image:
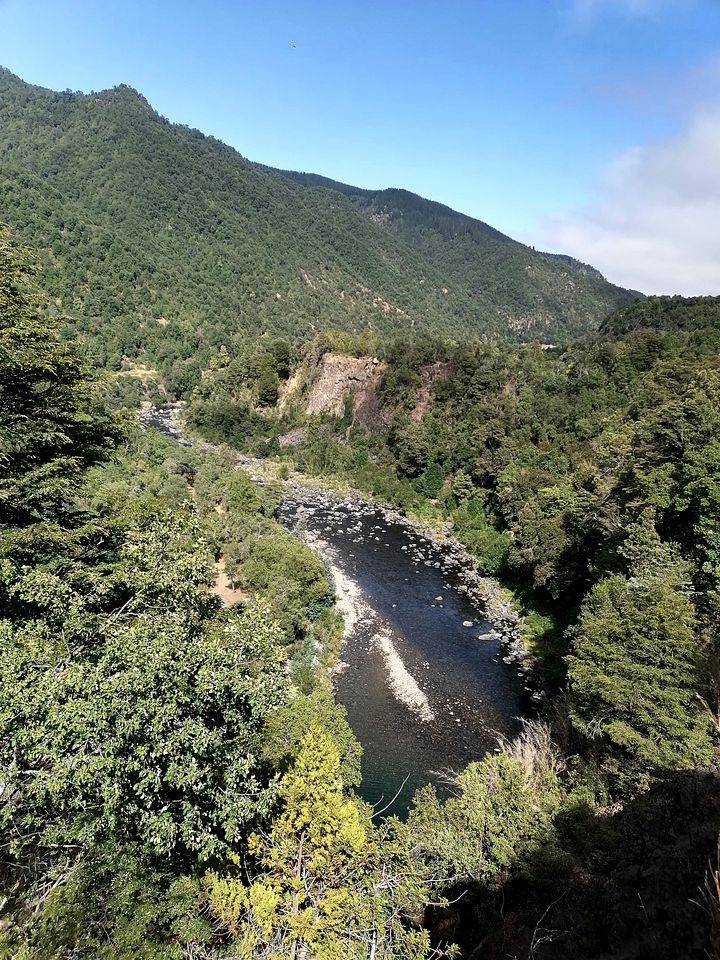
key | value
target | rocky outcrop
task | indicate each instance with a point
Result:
(292, 438)
(328, 384)
(340, 377)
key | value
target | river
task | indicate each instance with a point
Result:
(423, 675)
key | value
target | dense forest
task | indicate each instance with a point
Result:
(161, 245)
(586, 479)
(177, 780)
(546, 460)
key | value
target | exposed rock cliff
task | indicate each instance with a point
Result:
(335, 380)
(327, 384)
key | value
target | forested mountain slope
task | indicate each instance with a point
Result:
(543, 459)
(176, 779)
(676, 315)
(164, 243)
(494, 267)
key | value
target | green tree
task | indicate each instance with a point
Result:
(635, 669)
(52, 426)
(501, 812)
(326, 886)
(108, 732)
(266, 386)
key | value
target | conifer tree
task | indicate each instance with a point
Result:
(51, 428)
(635, 671)
(329, 885)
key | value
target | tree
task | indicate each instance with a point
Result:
(266, 386)
(51, 425)
(326, 886)
(501, 812)
(288, 725)
(635, 670)
(136, 723)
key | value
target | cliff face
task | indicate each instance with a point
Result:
(340, 377)
(336, 378)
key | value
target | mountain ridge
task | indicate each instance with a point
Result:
(161, 242)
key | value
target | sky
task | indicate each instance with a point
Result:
(588, 127)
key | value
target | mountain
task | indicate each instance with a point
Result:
(475, 254)
(163, 243)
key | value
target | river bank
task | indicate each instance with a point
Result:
(495, 600)
(427, 670)
(422, 673)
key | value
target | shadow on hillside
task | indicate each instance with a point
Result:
(630, 888)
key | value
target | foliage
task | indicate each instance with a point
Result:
(128, 741)
(635, 670)
(546, 461)
(164, 245)
(174, 779)
(326, 886)
(134, 711)
(500, 815)
(51, 425)
(290, 724)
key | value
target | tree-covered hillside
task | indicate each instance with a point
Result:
(169, 768)
(176, 779)
(548, 462)
(669, 315)
(530, 288)
(164, 244)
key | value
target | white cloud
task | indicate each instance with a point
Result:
(656, 224)
(675, 91)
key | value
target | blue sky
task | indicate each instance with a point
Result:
(525, 113)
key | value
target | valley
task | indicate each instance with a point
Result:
(427, 680)
(359, 566)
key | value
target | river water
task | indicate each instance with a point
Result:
(422, 673)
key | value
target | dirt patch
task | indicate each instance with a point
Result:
(225, 588)
(290, 387)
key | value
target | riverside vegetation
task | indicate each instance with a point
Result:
(177, 780)
(586, 478)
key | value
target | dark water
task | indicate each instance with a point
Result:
(472, 694)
